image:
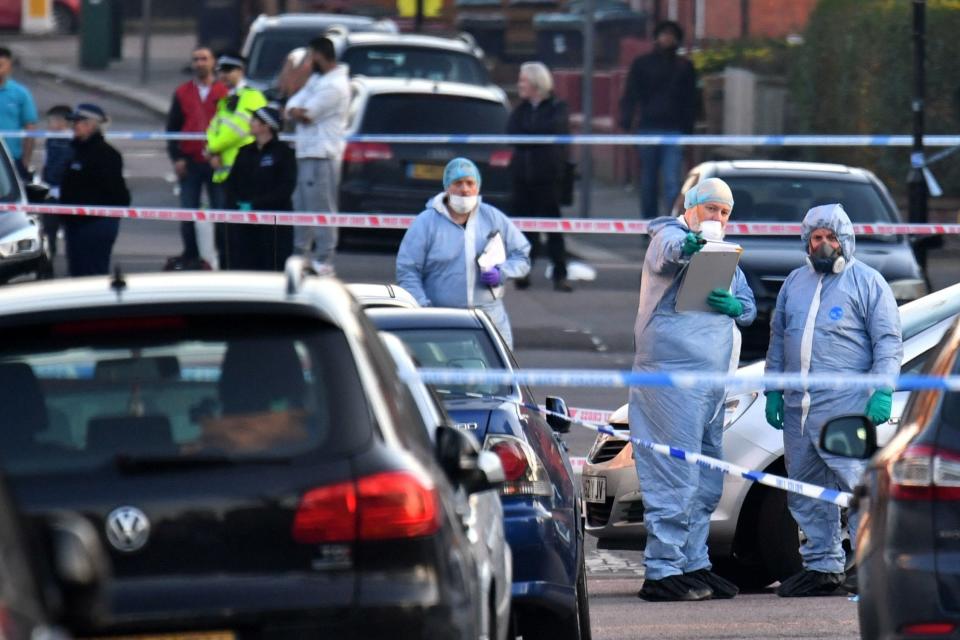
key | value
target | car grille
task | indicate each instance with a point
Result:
(608, 451)
(598, 514)
(633, 512)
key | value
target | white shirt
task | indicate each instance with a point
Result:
(326, 99)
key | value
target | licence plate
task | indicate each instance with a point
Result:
(425, 171)
(594, 488)
(184, 635)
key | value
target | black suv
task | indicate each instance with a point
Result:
(247, 453)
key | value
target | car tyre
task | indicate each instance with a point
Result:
(573, 627)
(63, 19)
(780, 537)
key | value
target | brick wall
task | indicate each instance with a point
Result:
(723, 19)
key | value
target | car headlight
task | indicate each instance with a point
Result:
(736, 406)
(15, 247)
(908, 289)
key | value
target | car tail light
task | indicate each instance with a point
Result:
(384, 506)
(501, 158)
(524, 472)
(923, 472)
(360, 152)
(929, 629)
(113, 325)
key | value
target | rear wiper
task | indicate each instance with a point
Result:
(134, 464)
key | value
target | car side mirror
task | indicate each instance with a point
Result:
(465, 464)
(81, 569)
(851, 436)
(556, 406)
(36, 192)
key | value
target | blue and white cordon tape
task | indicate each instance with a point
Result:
(686, 379)
(580, 139)
(833, 496)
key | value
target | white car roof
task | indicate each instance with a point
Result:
(364, 38)
(382, 295)
(382, 86)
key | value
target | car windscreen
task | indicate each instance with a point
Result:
(83, 394)
(787, 199)
(432, 113)
(9, 189)
(384, 61)
(458, 349)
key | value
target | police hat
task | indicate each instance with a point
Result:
(88, 111)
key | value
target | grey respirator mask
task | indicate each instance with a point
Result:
(826, 259)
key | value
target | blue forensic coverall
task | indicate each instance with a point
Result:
(679, 498)
(437, 260)
(837, 323)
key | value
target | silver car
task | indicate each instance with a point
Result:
(483, 512)
(753, 539)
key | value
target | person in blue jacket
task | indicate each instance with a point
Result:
(833, 315)
(437, 260)
(679, 498)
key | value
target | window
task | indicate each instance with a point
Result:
(415, 62)
(465, 349)
(787, 199)
(91, 392)
(432, 113)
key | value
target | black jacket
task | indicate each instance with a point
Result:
(664, 86)
(95, 175)
(539, 163)
(264, 177)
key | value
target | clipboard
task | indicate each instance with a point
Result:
(707, 270)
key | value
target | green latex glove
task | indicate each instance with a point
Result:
(692, 243)
(244, 206)
(879, 406)
(775, 409)
(722, 301)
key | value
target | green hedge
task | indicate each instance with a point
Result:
(854, 75)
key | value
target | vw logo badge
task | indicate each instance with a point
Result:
(127, 528)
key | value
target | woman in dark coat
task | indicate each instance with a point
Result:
(537, 169)
(262, 179)
(93, 177)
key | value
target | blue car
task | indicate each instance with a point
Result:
(541, 504)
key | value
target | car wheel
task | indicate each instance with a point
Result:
(780, 537)
(63, 20)
(572, 627)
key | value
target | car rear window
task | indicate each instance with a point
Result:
(462, 349)
(432, 113)
(415, 62)
(270, 48)
(787, 199)
(83, 394)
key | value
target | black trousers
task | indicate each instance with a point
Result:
(89, 244)
(254, 247)
(541, 200)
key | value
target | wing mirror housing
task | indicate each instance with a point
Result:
(852, 436)
(36, 193)
(465, 464)
(556, 406)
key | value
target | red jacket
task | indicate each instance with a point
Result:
(190, 114)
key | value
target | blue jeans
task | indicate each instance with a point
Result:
(659, 162)
(199, 174)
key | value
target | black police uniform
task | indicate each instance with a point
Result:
(93, 177)
(265, 178)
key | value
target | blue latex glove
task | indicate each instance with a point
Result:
(491, 278)
(722, 301)
(879, 406)
(692, 243)
(244, 206)
(775, 409)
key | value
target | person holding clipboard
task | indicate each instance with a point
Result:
(460, 251)
(678, 498)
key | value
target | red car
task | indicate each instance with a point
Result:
(66, 15)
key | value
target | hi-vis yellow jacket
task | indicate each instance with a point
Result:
(230, 128)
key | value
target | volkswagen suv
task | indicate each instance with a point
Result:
(246, 451)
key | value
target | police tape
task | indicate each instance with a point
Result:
(794, 140)
(688, 379)
(624, 226)
(833, 496)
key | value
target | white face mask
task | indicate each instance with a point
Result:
(462, 204)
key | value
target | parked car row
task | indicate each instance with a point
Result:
(249, 455)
